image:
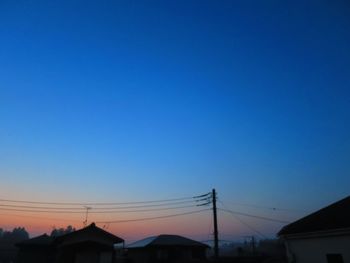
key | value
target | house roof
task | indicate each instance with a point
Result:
(91, 233)
(42, 240)
(166, 240)
(332, 217)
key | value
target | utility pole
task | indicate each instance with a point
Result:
(216, 234)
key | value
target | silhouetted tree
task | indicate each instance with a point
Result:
(8, 239)
(16, 235)
(62, 231)
(20, 233)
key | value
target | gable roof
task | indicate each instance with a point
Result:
(91, 233)
(332, 217)
(166, 240)
(42, 240)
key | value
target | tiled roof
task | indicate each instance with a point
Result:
(332, 217)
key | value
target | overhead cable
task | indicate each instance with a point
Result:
(153, 218)
(99, 203)
(254, 216)
(245, 223)
(96, 208)
(92, 211)
(264, 207)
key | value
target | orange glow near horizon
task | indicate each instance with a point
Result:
(37, 224)
(198, 226)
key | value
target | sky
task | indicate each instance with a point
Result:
(120, 101)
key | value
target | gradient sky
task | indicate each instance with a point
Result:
(141, 100)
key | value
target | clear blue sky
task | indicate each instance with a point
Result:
(121, 100)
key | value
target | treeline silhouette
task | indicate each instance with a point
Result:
(9, 239)
(62, 231)
(16, 235)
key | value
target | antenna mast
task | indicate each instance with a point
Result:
(86, 215)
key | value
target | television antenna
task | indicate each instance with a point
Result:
(86, 215)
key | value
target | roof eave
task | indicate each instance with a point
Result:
(321, 233)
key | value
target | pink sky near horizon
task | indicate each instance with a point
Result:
(129, 101)
(196, 226)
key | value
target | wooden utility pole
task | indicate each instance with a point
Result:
(216, 234)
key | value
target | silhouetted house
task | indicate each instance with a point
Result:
(166, 248)
(321, 237)
(36, 250)
(88, 245)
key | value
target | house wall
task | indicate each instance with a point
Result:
(93, 256)
(106, 257)
(139, 256)
(87, 254)
(33, 255)
(87, 257)
(165, 254)
(314, 250)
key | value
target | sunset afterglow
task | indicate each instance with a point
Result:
(136, 101)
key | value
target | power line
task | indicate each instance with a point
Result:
(148, 210)
(42, 211)
(103, 204)
(156, 209)
(254, 216)
(106, 208)
(47, 218)
(204, 195)
(151, 218)
(248, 226)
(245, 223)
(265, 207)
(164, 204)
(42, 207)
(98, 208)
(67, 220)
(91, 210)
